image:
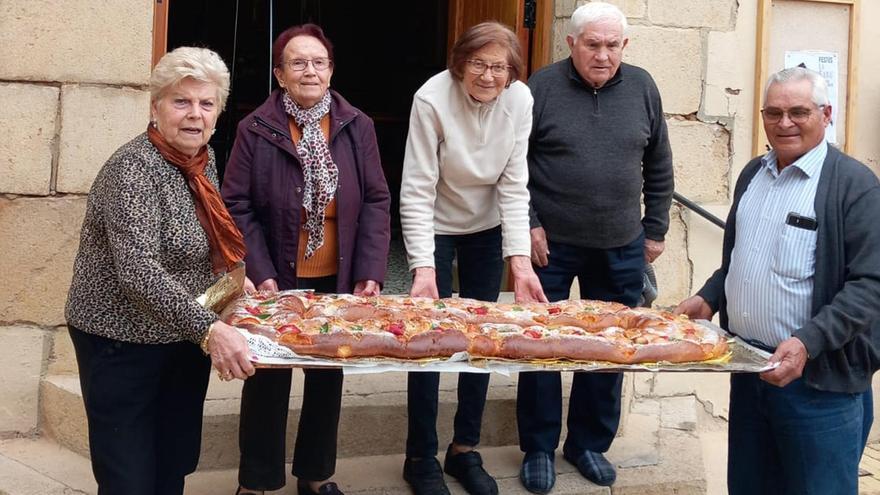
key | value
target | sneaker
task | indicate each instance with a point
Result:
(538, 472)
(594, 467)
(467, 468)
(425, 476)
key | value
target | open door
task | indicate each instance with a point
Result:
(529, 19)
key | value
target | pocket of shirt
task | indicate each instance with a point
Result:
(795, 255)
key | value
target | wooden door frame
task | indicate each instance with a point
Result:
(542, 37)
(539, 45)
(160, 29)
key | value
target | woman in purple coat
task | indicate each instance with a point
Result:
(305, 186)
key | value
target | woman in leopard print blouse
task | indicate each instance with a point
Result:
(155, 236)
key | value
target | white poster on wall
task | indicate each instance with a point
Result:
(824, 63)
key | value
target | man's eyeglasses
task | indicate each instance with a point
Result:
(299, 64)
(798, 115)
(478, 68)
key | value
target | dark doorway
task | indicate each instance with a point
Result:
(383, 52)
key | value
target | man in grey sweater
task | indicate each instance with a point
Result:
(799, 277)
(599, 146)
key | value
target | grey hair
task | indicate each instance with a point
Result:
(201, 64)
(595, 12)
(820, 87)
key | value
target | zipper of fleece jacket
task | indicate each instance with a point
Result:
(481, 121)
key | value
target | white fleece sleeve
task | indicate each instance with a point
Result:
(513, 193)
(418, 187)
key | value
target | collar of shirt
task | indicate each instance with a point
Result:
(575, 76)
(810, 163)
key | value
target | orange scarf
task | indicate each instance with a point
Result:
(224, 239)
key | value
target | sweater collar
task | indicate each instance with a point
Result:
(575, 76)
(810, 163)
(471, 102)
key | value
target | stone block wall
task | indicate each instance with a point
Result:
(76, 41)
(73, 76)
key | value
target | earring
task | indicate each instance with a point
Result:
(154, 124)
(214, 130)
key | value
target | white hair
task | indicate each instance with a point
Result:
(820, 87)
(595, 12)
(201, 64)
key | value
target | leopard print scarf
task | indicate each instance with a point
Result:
(319, 172)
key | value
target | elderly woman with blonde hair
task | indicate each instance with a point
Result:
(155, 236)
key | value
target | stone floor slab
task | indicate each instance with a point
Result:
(53, 470)
(40, 467)
(679, 413)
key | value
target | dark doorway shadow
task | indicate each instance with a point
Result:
(383, 52)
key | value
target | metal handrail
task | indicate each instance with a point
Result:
(699, 210)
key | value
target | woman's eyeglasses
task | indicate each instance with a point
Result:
(478, 68)
(300, 64)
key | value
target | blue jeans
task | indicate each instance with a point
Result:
(479, 277)
(792, 440)
(594, 405)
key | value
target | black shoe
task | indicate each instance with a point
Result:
(425, 476)
(330, 488)
(538, 472)
(594, 467)
(244, 491)
(467, 468)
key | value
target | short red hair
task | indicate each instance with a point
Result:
(284, 38)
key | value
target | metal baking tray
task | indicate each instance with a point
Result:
(268, 354)
(741, 358)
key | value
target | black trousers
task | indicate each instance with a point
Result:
(479, 275)
(265, 401)
(594, 404)
(144, 407)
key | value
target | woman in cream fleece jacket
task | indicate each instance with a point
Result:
(464, 195)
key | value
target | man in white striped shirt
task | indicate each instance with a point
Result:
(800, 277)
(770, 280)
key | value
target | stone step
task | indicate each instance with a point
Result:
(373, 420)
(651, 459)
